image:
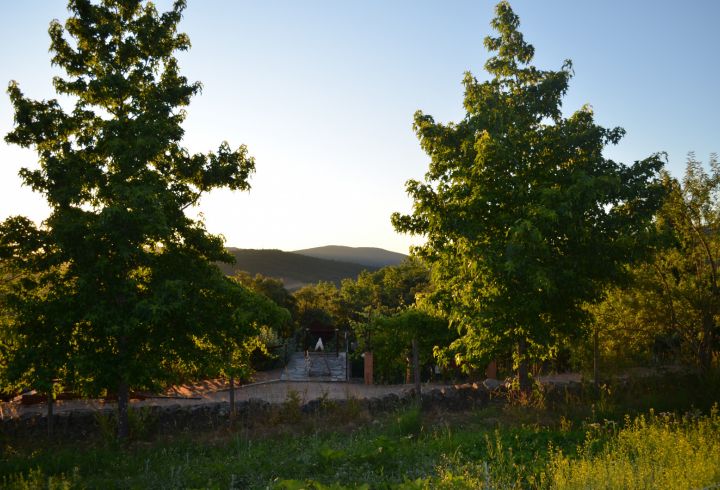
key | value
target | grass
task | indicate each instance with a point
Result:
(392, 449)
(576, 444)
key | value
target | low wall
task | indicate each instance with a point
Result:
(169, 419)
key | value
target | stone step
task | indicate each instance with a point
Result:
(317, 366)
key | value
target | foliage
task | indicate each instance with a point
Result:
(121, 274)
(525, 219)
(377, 454)
(390, 338)
(386, 291)
(671, 310)
(274, 290)
(318, 303)
(37, 325)
(693, 212)
(269, 287)
(409, 422)
(379, 308)
(36, 479)
(662, 451)
(401, 450)
(630, 322)
(383, 292)
(140, 420)
(378, 305)
(238, 330)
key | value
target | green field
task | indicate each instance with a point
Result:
(608, 443)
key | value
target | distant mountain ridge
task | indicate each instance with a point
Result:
(295, 270)
(368, 256)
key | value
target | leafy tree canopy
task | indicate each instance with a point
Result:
(525, 219)
(274, 290)
(671, 310)
(386, 291)
(318, 305)
(128, 269)
(390, 338)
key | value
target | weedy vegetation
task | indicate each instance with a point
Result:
(568, 444)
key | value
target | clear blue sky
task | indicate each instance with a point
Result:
(323, 94)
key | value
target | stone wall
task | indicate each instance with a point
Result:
(169, 419)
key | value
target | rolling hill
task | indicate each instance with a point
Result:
(294, 269)
(368, 256)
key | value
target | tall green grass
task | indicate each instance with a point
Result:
(649, 452)
(499, 447)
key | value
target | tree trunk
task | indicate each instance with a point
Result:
(416, 369)
(232, 400)
(706, 344)
(408, 370)
(123, 394)
(123, 400)
(50, 414)
(596, 361)
(523, 377)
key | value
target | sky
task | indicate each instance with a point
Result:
(323, 94)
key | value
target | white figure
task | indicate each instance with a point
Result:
(319, 345)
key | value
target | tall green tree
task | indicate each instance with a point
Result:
(524, 218)
(117, 179)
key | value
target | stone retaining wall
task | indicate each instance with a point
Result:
(168, 419)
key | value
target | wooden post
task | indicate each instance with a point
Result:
(416, 369)
(368, 358)
(491, 370)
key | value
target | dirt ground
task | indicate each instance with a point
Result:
(265, 385)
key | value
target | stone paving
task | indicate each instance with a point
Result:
(316, 366)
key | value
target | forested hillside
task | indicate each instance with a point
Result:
(294, 269)
(369, 256)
